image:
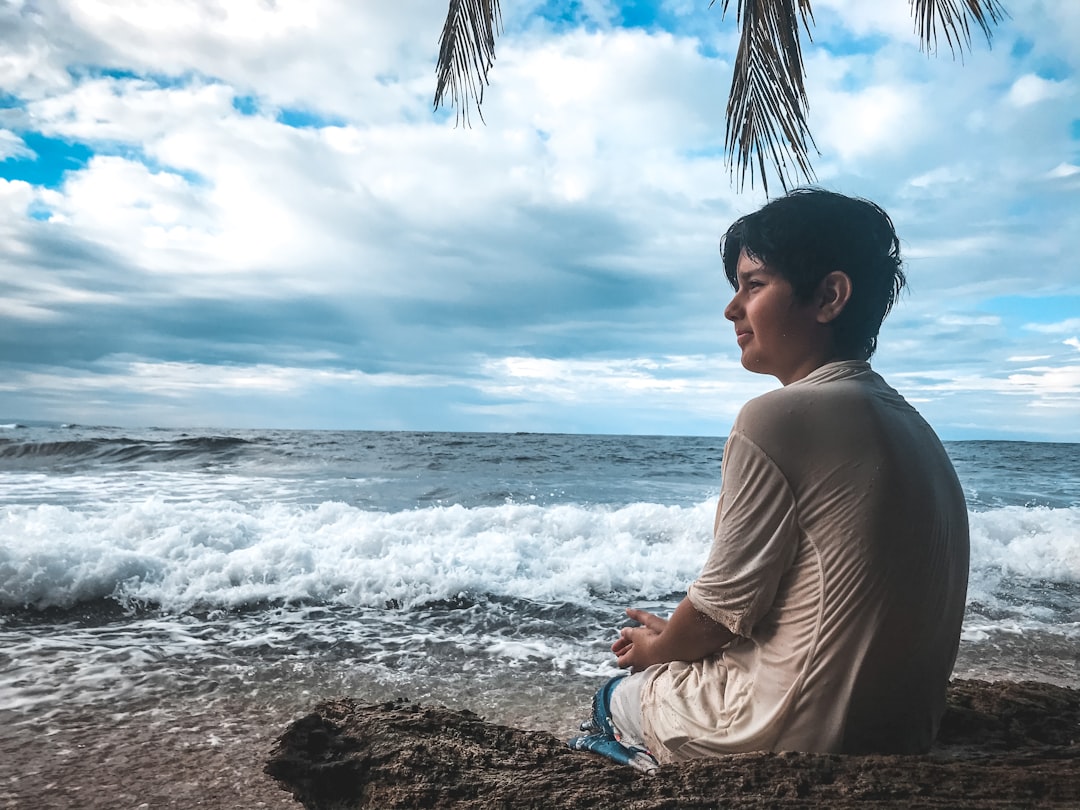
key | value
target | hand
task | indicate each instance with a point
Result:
(635, 648)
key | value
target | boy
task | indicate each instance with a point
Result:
(828, 614)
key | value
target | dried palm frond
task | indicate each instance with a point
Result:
(767, 105)
(954, 20)
(466, 54)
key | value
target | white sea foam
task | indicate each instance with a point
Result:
(1025, 574)
(1029, 542)
(347, 564)
(225, 554)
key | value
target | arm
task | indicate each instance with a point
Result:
(687, 636)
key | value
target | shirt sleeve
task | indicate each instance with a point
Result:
(755, 541)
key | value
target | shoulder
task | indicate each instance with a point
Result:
(834, 406)
(761, 416)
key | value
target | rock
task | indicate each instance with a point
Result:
(1001, 745)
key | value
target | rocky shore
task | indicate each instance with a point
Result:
(1001, 744)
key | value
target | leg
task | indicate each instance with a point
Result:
(625, 709)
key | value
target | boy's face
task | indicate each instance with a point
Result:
(778, 335)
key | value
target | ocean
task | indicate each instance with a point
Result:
(153, 571)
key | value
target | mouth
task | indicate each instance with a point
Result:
(742, 335)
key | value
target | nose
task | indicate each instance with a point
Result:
(731, 311)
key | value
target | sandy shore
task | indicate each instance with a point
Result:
(1002, 745)
(147, 758)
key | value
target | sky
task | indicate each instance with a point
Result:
(247, 214)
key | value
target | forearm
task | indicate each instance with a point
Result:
(690, 635)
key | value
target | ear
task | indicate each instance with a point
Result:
(833, 293)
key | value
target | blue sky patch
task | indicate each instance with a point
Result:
(54, 157)
(846, 45)
(307, 119)
(567, 16)
(1035, 309)
(1021, 48)
(98, 72)
(1052, 69)
(138, 155)
(640, 14)
(246, 105)
(39, 212)
(163, 80)
(712, 152)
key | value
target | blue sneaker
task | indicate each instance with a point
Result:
(603, 739)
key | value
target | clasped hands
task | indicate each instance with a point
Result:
(687, 636)
(636, 648)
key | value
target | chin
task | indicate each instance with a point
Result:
(751, 365)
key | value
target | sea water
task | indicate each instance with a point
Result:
(154, 568)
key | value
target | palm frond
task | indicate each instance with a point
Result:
(767, 105)
(466, 54)
(954, 18)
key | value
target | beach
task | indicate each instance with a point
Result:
(140, 759)
(1001, 744)
(171, 601)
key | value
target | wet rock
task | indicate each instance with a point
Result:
(1001, 745)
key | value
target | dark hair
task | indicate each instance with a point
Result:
(809, 233)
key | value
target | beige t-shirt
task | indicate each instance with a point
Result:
(840, 561)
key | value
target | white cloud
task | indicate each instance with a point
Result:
(865, 19)
(864, 123)
(12, 146)
(175, 380)
(1063, 170)
(970, 320)
(693, 384)
(942, 178)
(1060, 327)
(582, 222)
(1047, 380)
(15, 197)
(25, 311)
(953, 247)
(1034, 381)
(1031, 89)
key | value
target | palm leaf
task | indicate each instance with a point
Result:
(466, 54)
(954, 15)
(767, 105)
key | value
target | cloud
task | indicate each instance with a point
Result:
(862, 19)
(255, 215)
(1060, 327)
(11, 145)
(969, 320)
(1063, 170)
(1031, 89)
(864, 123)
